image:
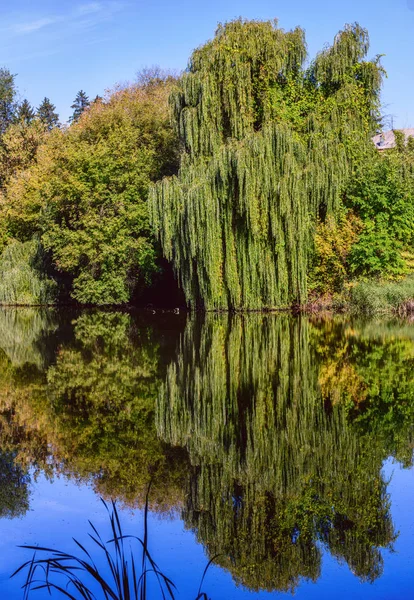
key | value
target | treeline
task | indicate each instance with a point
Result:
(14, 111)
(253, 174)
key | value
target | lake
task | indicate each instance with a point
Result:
(281, 447)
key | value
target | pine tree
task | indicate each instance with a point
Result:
(47, 114)
(25, 113)
(7, 99)
(80, 103)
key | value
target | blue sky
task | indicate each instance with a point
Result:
(57, 47)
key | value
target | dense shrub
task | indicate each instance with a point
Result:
(381, 193)
(333, 243)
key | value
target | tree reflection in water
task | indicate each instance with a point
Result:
(267, 432)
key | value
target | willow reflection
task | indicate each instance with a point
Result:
(279, 468)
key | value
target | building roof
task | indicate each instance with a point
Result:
(386, 140)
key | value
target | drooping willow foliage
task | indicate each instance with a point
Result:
(22, 280)
(272, 430)
(267, 147)
(21, 332)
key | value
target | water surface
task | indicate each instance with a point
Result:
(280, 445)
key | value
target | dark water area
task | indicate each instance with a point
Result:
(282, 446)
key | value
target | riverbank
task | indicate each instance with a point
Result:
(369, 297)
(365, 297)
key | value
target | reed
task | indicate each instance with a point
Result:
(373, 297)
(126, 578)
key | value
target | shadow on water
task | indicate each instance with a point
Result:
(266, 433)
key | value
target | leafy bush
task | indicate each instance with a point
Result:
(333, 243)
(377, 252)
(382, 195)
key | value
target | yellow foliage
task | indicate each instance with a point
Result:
(332, 244)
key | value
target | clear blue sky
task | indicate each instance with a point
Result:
(60, 46)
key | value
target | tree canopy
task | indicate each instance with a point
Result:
(251, 179)
(268, 431)
(85, 194)
(268, 146)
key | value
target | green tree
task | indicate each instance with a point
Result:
(7, 99)
(381, 193)
(280, 467)
(268, 146)
(47, 114)
(79, 105)
(86, 195)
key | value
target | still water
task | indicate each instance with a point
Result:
(282, 446)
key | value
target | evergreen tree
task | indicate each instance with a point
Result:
(47, 114)
(7, 99)
(80, 103)
(25, 113)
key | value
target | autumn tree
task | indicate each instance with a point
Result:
(86, 195)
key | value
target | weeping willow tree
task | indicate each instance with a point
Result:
(22, 279)
(279, 471)
(267, 147)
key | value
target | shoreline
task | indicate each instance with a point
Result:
(364, 297)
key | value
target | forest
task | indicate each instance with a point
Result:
(248, 182)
